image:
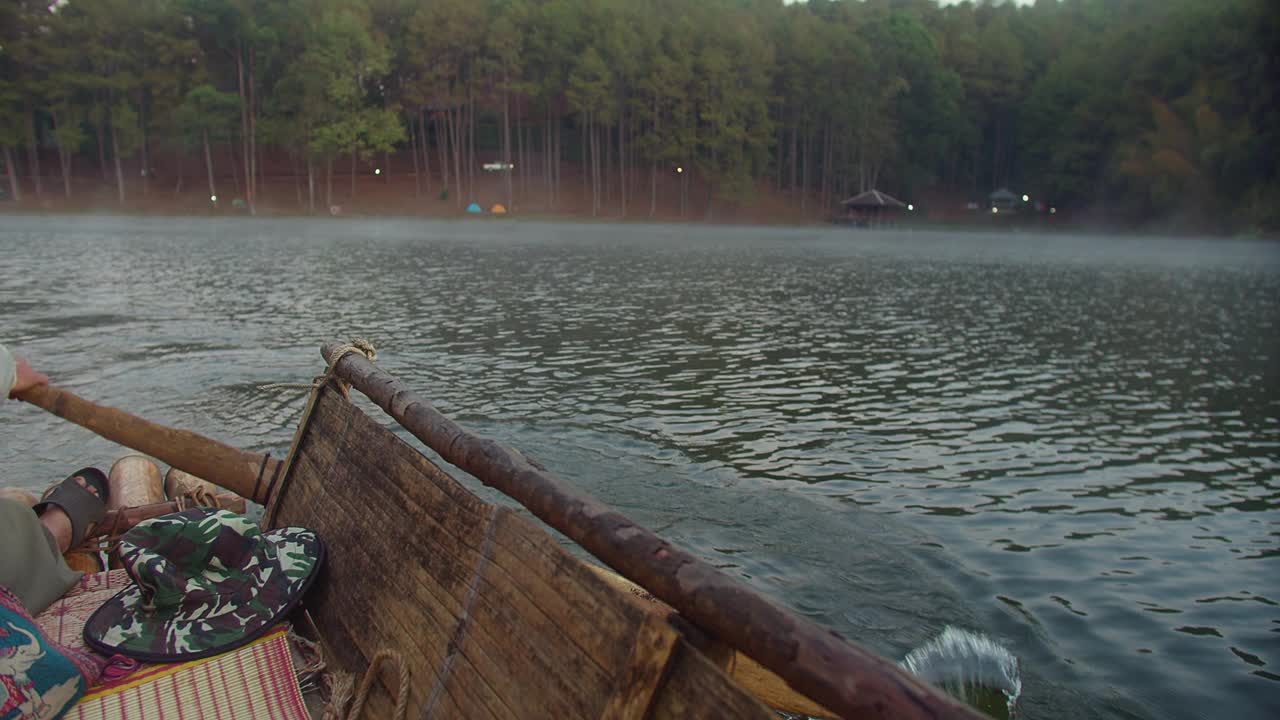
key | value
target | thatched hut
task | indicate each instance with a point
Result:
(870, 208)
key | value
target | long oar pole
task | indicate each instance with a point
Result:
(246, 474)
(823, 666)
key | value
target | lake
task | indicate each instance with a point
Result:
(1068, 443)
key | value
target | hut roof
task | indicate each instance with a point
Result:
(1003, 194)
(873, 198)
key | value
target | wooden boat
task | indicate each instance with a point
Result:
(490, 615)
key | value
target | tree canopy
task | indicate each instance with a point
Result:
(1133, 110)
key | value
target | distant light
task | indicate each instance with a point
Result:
(679, 169)
(1026, 198)
(995, 210)
(377, 171)
(1053, 211)
(213, 198)
(910, 206)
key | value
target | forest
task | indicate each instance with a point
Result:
(1135, 113)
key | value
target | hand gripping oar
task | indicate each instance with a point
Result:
(246, 474)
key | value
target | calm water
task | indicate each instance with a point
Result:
(1068, 443)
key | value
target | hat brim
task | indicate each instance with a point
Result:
(211, 624)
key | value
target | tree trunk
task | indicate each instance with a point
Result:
(246, 132)
(622, 162)
(506, 143)
(101, 130)
(353, 174)
(297, 178)
(794, 151)
(208, 166)
(252, 173)
(826, 166)
(606, 171)
(146, 156)
(585, 164)
(13, 176)
(546, 159)
(684, 192)
(442, 136)
(413, 150)
(115, 153)
(779, 145)
(33, 153)
(459, 149)
(426, 148)
(64, 160)
(180, 156)
(328, 183)
(804, 173)
(522, 142)
(235, 169)
(311, 185)
(556, 165)
(653, 187)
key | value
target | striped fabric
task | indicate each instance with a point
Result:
(255, 682)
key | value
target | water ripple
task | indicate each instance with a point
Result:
(1088, 428)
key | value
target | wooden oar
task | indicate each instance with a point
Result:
(249, 475)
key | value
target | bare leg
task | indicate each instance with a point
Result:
(134, 480)
(19, 495)
(57, 522)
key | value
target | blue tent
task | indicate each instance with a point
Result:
(474, 208)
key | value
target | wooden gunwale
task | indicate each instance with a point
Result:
(832, 671)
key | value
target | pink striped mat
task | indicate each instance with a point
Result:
(255, 682)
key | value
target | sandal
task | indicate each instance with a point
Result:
(82, 507)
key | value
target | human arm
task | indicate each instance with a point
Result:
(17, 375)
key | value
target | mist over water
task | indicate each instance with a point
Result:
(1069, 444)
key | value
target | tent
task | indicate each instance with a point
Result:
(498, 209)
(1003, 200)
(474, 209)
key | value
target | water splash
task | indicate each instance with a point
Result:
(971, 667)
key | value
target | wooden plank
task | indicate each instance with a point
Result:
(334, 513)
(404, 600)
(492, 616)
(651, 653)
(695, 688)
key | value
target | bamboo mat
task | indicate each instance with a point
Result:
(255, 682)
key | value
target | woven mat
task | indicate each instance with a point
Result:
(255, 682)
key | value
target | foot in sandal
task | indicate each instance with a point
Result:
(71, 508)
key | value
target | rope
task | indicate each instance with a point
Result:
(402, 684)
(359, 346)
(344, 683)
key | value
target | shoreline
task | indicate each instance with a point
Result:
(550, 217)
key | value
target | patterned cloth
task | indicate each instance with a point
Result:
(38, 677)
(204, 581)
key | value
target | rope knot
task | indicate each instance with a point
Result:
(360, 346)
(357, 345)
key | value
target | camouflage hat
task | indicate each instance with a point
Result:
(204, 581)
